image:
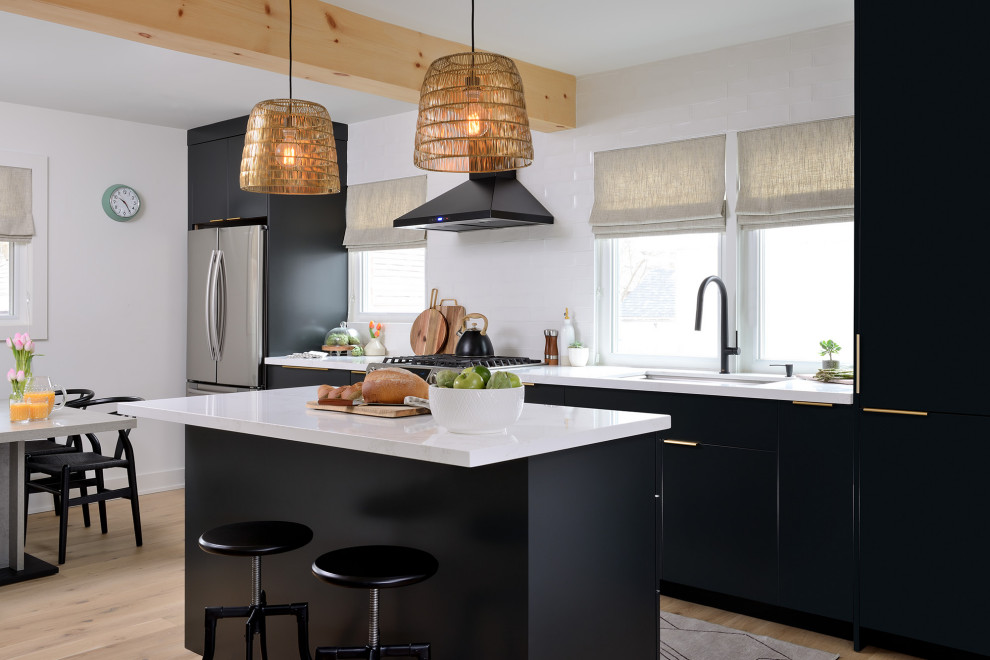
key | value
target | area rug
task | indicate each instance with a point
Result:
(682, 638)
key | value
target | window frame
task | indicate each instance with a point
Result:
(740, 257)
(30, 272)
(355, 290)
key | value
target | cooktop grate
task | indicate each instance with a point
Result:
(455, 361)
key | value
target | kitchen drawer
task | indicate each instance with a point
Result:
(721, 421)
(280, 377)
(552, 395)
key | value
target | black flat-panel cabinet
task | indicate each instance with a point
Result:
(924, 535)
(817, 505)
(720, 519)
(552, 395)
(207, 181)
(280, 376)
(921, 253)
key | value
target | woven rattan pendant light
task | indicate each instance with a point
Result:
(289, 147)
(472, 115)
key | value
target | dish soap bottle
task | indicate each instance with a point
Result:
(566, 338)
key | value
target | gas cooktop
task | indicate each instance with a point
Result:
(426, 365)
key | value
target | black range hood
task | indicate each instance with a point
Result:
(484, 201)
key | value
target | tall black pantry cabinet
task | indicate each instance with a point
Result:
(307, 262)
(924, 429)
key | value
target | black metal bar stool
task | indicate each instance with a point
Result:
(374, 567)
(254, 539)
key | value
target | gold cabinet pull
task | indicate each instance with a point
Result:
(359, 372)
(896, 412)
(811, 403)
(289, 366)
(685, 443)
(529, 384)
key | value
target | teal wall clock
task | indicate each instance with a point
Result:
(121, 202)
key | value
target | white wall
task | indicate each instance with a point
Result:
(523, 278)
(116, 299)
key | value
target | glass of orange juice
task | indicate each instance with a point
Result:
(20, 409)
(40, 394)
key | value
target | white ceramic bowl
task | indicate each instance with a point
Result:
(476, 411)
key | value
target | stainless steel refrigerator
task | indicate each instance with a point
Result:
(225, 319)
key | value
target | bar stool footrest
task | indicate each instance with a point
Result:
(421, 651)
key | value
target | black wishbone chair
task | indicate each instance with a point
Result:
(66, 471)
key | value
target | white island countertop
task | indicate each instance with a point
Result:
(283, 414)
(778, 387)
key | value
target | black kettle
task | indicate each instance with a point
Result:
(474, 342)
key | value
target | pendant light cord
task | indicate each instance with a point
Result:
(290, 48)
(472, 25)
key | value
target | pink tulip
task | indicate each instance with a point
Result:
(20, 376)
(11, 375)
(18, 344)
(29, 346)
(10, 344)
(25, 338)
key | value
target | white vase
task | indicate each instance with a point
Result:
(578, 357)
(375, 347)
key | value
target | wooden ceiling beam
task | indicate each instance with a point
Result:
(329, 44)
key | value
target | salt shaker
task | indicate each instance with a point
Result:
(550, 352)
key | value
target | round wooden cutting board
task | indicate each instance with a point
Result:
(429, 330)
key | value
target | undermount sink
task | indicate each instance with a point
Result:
(747, 380)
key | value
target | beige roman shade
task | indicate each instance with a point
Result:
(371, 208)
(800, 174)
(671, 188)
(16, 220)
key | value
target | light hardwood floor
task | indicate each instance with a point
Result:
(114, 601)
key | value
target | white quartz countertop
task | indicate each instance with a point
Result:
(629, 378)
(283, 414)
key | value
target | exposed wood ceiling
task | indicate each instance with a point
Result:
(46, 63)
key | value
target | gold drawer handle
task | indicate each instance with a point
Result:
(896, 412)
(685, 443)
(811, 403)
(358, 372)
(529, 384)
(289, 366)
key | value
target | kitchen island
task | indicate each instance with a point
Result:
(546, 535)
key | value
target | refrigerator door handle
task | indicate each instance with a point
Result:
(211, 305)
(221, 318)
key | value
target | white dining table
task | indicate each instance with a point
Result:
(15, 564)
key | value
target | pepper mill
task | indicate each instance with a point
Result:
(550, 352)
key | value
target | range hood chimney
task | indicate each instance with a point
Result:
(484, 201)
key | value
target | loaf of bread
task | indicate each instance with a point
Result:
(352, 391)
(393, 385)
(328, 392)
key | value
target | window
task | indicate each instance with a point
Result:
(652, 306)
(798, 290)
(387, 284)
(24, 254)
(386, 266)
(786, 255)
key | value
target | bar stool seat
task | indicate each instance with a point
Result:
(375, 567)
(255, 539)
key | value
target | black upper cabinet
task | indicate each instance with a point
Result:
(921, 240)
(924, 536)
(816, 464)
(207, 181)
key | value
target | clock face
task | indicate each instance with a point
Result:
(121, 202)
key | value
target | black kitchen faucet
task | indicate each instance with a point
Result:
(724, 349)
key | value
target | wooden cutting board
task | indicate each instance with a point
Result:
(371, 409)
(429, 330)
(454, 314)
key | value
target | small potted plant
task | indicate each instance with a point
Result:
(829, 348)
(577, 354)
